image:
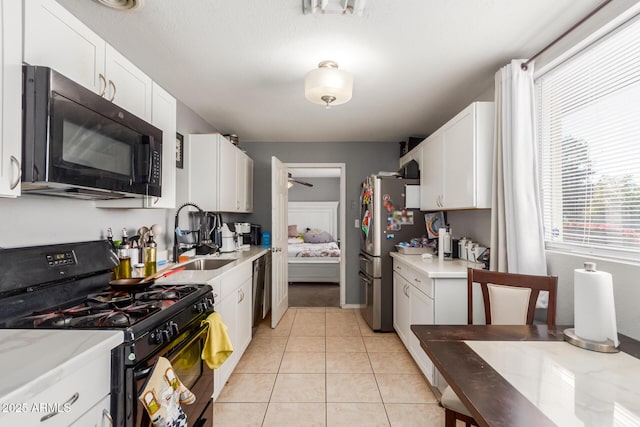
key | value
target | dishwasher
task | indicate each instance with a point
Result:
(261, 289)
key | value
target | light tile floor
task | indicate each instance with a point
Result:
(326, 367)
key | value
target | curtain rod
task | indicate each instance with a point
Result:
(524, 66)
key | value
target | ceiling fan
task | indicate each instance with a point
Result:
(293, 180)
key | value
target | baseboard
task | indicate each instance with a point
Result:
(353, 306)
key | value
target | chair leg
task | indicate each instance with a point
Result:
(449, 418)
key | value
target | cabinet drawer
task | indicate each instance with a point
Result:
(233, 279)
(72, 390)
(420, 281)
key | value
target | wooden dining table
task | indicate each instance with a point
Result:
(529, 376)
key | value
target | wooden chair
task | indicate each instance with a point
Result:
(509, 299)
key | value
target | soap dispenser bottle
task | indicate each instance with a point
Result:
(124, 269)
(150, 253)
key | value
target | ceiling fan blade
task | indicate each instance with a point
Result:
(308, 184)
(291, 179)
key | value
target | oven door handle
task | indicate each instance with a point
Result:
(174, 352)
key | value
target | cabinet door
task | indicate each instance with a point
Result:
(163, 116)
(241, 181)
(11, 95)
(55, 38)
(249, 186)
(431, 173)
(98, 416)
(202, 155)
(227, 309)
(244, 316)
(421, 314)
(459, 175)
(401, 308)
(127, 85)
(227, 177)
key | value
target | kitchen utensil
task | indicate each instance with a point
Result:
(140, 283)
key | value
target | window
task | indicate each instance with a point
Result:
(589, 133)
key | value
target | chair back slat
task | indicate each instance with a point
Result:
(535, 283)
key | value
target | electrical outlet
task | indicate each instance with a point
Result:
(356, 223)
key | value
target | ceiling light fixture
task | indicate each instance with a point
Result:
(123, 4)
(327, 85)
(342, 7)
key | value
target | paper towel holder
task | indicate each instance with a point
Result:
(570, 336)
(600, 346)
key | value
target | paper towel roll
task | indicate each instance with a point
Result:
(594, 309)
(441, 233)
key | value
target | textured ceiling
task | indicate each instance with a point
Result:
(240, 64)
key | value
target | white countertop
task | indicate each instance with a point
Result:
(570, 385)
(204, 276)
(33, 358)
(435, 268)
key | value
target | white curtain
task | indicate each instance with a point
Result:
(517, 240)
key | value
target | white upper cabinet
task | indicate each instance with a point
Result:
(163, 116)
(53, 37)
(127, 85)
(457, 162)
(220, 174)
(431, 170)
(11, 93)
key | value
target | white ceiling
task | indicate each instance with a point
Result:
(240, 64)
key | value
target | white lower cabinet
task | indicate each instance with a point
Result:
(235, 308)
(420, 299)
(98, 416)
(401, 308)
(422, 313)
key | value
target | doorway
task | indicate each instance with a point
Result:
(318, 287)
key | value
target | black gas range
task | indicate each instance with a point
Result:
(66, 286)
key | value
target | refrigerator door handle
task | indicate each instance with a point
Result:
(365, 259)
(365, 277)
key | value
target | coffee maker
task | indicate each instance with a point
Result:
(243, 233)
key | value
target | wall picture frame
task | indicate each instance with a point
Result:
(179, 151)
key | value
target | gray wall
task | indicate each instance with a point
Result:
(38, 220)
(361, 159)
(323, 190)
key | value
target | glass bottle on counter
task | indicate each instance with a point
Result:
(150, 251)
(124, 268)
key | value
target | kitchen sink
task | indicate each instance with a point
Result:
(207, 264)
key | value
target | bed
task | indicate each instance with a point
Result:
(314, 262)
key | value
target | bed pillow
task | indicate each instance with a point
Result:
(293, 230)
(317, 236)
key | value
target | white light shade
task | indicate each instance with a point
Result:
(328, 82)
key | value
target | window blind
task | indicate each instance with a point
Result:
(589, 134)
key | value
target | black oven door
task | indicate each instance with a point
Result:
(192, 372)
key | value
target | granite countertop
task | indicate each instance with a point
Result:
(32, 357)
(434, 268)
(203, 276)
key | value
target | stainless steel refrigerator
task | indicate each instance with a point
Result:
(385, 221)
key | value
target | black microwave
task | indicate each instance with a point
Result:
(78, 144)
